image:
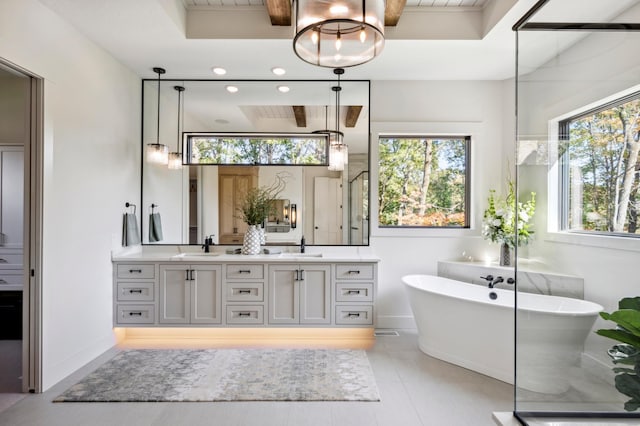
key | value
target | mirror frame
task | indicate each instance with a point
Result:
(172, 81)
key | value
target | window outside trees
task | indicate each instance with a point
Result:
(600, 169)
(424, 181)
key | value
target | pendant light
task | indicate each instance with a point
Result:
(338, 151)
(157, 153)
(175, 158)
(344, 34)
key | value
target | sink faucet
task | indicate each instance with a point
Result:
(208, 242)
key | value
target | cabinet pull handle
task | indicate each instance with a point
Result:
(244, 271)
(3, 281)
(297, 277)
(355, 271)
(244, 314)
(244, 291)
(137, 290)
(353, 315)
(135, 314)
(137, 271)
(353, 292)
(301, 274)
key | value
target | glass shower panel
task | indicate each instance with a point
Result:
(576, 139)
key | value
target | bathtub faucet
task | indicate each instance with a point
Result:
(498, 280)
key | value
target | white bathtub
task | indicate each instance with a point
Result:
(459, 323)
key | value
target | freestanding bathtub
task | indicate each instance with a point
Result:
(465, 325)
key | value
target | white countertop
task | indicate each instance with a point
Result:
(188, 254)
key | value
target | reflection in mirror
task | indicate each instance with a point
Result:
(329, 205)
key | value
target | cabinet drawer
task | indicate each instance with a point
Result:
(11, 277)
(245, 271)
(237, 314)
(245, 292)
(354, 292)
(359, 315)
(136, 271)
(354, 272)
(135, 292)
(135, 314)
(10, 259)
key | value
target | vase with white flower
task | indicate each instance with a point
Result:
(508, 222)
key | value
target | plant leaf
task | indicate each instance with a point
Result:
(629, 303)
(628, 384)
(627, 318)
(621, 336)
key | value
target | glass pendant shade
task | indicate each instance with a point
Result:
(341, 33)
(337, 157)
(157, 153)
(175, 161)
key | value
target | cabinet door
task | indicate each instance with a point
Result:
(206, 304)
(175, 294)
(315, 294)
(284, 294)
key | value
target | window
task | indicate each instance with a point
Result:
(258, 149)
(423, 181)
(599, 158)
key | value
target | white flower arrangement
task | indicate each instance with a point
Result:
(499, 220)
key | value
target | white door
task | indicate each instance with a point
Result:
(327, 211)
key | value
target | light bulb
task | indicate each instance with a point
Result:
(363, 35)
(338, 42)
(314, 37)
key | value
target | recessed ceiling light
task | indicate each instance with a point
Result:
(232, 89)
(278, 71)
(283, 89)
(219, 70)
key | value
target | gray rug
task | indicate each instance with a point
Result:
(229, 375)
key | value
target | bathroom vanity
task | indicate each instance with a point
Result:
(220, 290)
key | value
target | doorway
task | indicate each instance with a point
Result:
(20, 168)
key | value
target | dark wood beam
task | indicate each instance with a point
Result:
(279, 12)
(392, 12)
(300, 114)
(353, 112)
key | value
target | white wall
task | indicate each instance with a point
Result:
(476, 108)
(92, 116)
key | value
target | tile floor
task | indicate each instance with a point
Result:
(415, 390)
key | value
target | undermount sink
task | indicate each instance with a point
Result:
(300, 254)
(196, 254)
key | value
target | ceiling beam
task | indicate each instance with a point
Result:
(300, 114)
(353, 112)
(392, 12)
(279, 12)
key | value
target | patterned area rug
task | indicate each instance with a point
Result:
(229, 375)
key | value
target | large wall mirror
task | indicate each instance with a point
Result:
(330, 207)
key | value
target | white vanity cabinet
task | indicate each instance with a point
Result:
(354, 293)
(190, 294)
(134, 294)
(244, 291)
(299, 294)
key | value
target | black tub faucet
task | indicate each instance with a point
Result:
(498, 280)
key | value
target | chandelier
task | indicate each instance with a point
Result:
(338, 33)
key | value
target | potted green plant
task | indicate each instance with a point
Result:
(257, 204)
(627, 352)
